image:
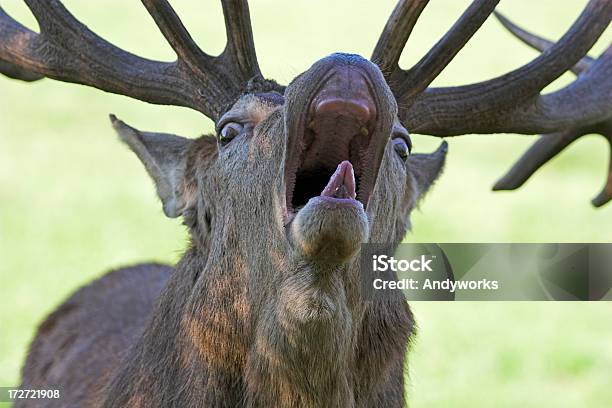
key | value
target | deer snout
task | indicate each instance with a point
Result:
(341, 118)
(337, 111)
(335, 107)
(345, 94)
(344, 106)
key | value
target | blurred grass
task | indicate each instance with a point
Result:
(506, 355)
(74, 202)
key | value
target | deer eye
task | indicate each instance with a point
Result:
(229, 131)
(403, 146)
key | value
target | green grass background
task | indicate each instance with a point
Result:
(74, 202)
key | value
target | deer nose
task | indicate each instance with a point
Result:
(357, 109)
(345, 96)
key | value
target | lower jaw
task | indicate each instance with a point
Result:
(333, 202)
(327, 203)
(329, 230)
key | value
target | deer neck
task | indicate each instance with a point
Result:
(218, 324)
(288, 341)
(303, 346)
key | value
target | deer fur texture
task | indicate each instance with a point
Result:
(265, 307)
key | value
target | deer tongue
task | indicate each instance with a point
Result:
(342, 183)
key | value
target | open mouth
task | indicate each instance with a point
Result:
(340, 175)
(338, 156)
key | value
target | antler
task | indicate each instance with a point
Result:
(16, 72)
(68, 51)
(539, 43)
(549, 145)
(406, 85)
(511, 103)
(395, 34)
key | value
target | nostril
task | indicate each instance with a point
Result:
(345, 96)
(356, 109)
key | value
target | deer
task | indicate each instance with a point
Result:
(266, 306)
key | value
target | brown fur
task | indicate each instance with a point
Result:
(252, 316)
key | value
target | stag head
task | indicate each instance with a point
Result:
(512, 102)
(295, 179)
(320, 166)
(278, 204)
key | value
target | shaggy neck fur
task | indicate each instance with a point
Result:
(221, 329)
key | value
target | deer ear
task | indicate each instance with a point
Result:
(164, 158)
(425, 168)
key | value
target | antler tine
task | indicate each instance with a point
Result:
(512, 102)
(550, 145)
(224, 75)
(99, 64)
(547, 147)
(586, 101)
(240, 44)
(540, 152)
(395, 34)
(176, 34)
(53, 53)
(239, 56)
(67, 50)
(606, 193)
(16, 72)
(434, 62)
(235, 66)
(598, 121)
(539, 43)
